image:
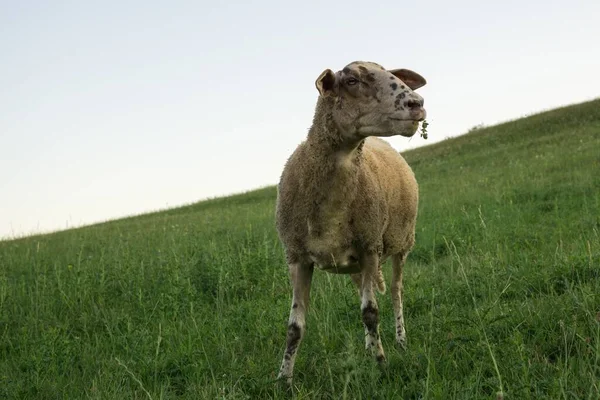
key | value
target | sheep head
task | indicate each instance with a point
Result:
(368, 100)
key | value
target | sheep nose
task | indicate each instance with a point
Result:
(415, 103)
(415, 108)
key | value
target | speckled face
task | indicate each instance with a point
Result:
(373, 101)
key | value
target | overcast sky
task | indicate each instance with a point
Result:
(115, 108)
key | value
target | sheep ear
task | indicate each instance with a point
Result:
(325, 82)
(411, 78)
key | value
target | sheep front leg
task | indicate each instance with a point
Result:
(369, 309)
(301, 277)
(397, 266)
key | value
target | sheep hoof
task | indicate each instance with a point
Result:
(285, 380)
(401, 343)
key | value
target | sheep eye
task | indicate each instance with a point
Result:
(351, 81)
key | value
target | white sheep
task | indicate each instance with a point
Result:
(346, 202)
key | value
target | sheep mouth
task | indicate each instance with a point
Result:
(419, 119)
(414, 116)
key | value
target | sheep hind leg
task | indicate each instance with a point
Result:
(369, 309)
(397, 267)
(301, 277)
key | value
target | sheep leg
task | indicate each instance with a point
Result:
(397, 266)
(301, 277)
(369, 309)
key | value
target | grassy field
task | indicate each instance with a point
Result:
(502, 290)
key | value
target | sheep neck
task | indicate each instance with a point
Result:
(333, 179)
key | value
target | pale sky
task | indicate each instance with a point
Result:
(114, 108)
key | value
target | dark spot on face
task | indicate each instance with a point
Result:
(394, 86)
(392, 77)
(365, 75)
(399, 98)
(380, 358)
(402, 87)
(346, 70)
(295, 305)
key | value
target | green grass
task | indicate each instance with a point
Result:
(502, 290)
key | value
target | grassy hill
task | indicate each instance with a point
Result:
(502, 291)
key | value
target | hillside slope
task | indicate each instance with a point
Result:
(502, 290)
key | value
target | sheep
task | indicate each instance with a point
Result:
(347, 201)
